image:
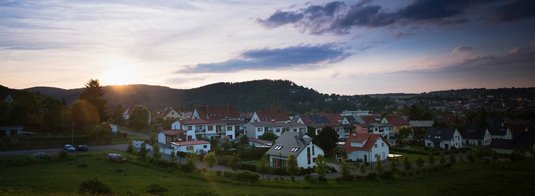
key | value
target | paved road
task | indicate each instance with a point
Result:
(121, 147)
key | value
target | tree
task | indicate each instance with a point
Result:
(431, 159)
(311, 131)
(404, 132)
(156, 154)
(394, 165)
(84, 113)
(93, 93)
(379, 164)
(326, 140)
(143, 151)
(268, 136)
(321, 165)
(291, 165)
(192, 158)
(452, 158)
(263, 164)
(173, 155)
(346, 170)
(117, 115)
(420, 162)
(362, 169)
(130, 148)
(406, 164)
(442, 159)
(210, 159)
(139, 119)
(234, 162)
(244, 141)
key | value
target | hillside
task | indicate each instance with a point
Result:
(246, 96)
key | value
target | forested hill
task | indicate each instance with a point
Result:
(246, 96)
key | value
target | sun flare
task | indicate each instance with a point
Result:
(119, 72)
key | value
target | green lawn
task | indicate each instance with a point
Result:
(134, 176)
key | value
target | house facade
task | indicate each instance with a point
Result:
(197, 146)
(299, 145)
(366, 147)
(257, 129)
(501, 133)
(166, 137)
(443, 138)
(476, 137)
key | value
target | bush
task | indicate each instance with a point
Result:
(130, 148)
(94, 187)
(322, 179)
(228, 174)
(156, 189)
(63, 155)
(371, 176)
(247, 166)
(248, 177)
(218, 173)
(308, 177)
(387, 175)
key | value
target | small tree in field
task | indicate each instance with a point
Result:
(346, 170)
(173, 155)
(442, 159)
(321, 165)
(431, 159)
(452, 158)
(406, 164)
(263, 164)
(143, 151)
(362, 169)
(379, 165)
(394, 165)
(130, 148)
(291, 165)
(210, 159)
(156, 154)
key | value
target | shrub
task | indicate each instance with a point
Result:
(63, 155)
(387, 175)
(156, 154)
(308, 177)
(218, 173)
(210, 159)
(156, 189)
(322, 179)
(228, 174)
(82, 165)
(248, 177)
(130, 148)
(248, 166)
(94, 187)
(371, 176)
(362, 169)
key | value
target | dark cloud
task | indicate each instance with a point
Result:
(276, 58)
(339, 17)
(518, 9)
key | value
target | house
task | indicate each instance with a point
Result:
(197, 146)
(502, 146)
(380, 128)
(397, 122)
(425, 124)
(168, 113)
(320, 121)
(192, 127)
(355, 113)
(269, 116)
(260, 143)
(299, 145)
(11, 130)
(166, 137)
(501, 133)
(257, 129)
(443, 138)
(366, 147)
(209, 128)
(476, 137)
(215, 112)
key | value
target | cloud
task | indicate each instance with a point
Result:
(335, 74)
(515, 10)
(275, 58)
(183, 80)
(461, 50)
(339, 17)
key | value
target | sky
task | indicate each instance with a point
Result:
(343, 47)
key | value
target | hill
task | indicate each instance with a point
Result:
(246, 96)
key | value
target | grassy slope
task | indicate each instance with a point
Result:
(135, 176)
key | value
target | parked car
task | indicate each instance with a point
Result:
(115, 157)
(69, 148)
(82, 148)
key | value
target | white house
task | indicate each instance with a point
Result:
(476, 137)
(443, 138)
(257, 129)
(501, 133)
(197, 146)
(114, 128)
(168, 113)
(299, 145)
(192, 127)
(366, 147)
(383, 129)
(260, 143)
(166, 137)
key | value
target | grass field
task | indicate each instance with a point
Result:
(133, 176)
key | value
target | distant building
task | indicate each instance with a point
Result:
(476, 137)
(197, 146)
(443, 138)
(299, 145)
(215, 112)
(366, 147)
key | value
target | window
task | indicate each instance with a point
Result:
(278, 147)
(313, 151)
(205, 146)
(382, 144)
(295, 149)
(308, 155)
(375, 145)
(189, 127)
(210, 128)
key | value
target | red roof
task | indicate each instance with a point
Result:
(369, 139)
(173, 132)
(396, 120)
(192, 121)
(187, 143)
(272, 115)
(217, 112)
(370, 119)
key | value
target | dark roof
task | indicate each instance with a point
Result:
(439, 134)
(217, 112)
(498, 131)
(421, 123)
(272, 115)
(351, 119)
(396, 120)
(474, 133)
(289, 140)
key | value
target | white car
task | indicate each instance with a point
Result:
(69, 148)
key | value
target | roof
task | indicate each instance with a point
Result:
(368, 141)
(474, 133)
(439, 134)
(421, 123)
(272, 115)
(396, 120)
(498, 131)
(287, 143)
(192, 121)
(265, 142)
(172, 132)
(350, 119)
(368, 119)
(188, 143)
(217, 112)
(275, 124)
